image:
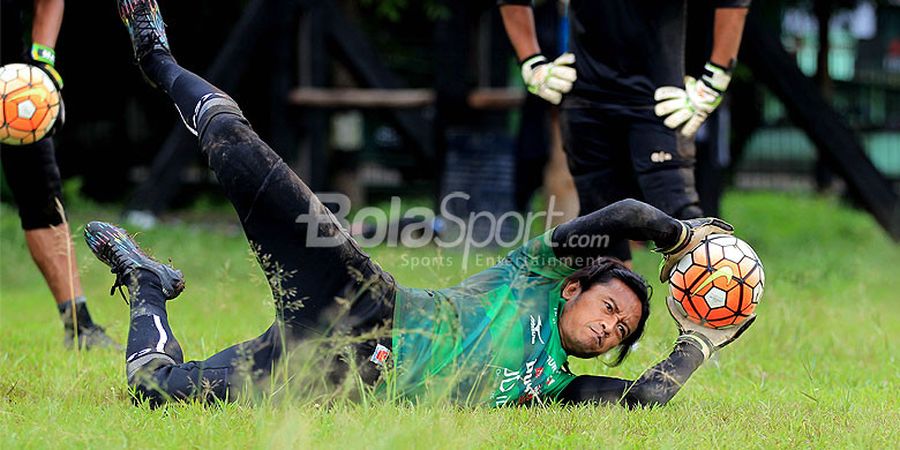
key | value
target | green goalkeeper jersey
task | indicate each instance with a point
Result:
(493, 339)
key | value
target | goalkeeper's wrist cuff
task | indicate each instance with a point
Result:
(683, 238)
(534, 60)
(42, 53)
(699, 341)
(716, 76)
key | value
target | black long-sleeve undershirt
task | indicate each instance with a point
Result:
(655, 387)
(588, 236)
(634, 220)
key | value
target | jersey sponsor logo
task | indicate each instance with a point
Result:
(660, 156)
(725, 271)
(552, 363)
(530, 394)
(511, 379)
(529, 391)
(536, 330)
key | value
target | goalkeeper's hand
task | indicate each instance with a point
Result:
(708, 340)
(549, 80)
(44, 58)
(689, 107)
(693, 231)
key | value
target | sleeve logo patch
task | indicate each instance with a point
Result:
(380, 355)
(536, 330)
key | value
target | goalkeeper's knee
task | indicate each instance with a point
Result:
(215, 105)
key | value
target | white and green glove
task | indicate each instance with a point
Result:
(688, 108)
(549, 80)
(708, 340)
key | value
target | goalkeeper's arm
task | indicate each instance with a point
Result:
(544, 78)
(518, 19)
(688, 108)
(579, 238)
(655, 387)
(695, 344)
(48, 16)
(727, 31)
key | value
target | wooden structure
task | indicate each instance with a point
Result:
(324, 33)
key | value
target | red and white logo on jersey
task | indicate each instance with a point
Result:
(381, 355)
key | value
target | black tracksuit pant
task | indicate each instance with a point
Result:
(321, 291)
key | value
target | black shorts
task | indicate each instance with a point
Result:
(616, 152)
(29, 170)
(33, 178)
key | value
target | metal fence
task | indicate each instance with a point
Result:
(863, 86)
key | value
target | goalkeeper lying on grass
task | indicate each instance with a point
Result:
(501, 337)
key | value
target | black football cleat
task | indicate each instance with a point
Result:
(89, 337)
(121, 253)
(145, 26)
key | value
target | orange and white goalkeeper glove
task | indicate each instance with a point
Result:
(549, 80)
(688, 108)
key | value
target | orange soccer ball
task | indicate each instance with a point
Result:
(719, 283)
(30, 104)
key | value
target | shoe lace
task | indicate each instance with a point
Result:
(120, 266)
(144, 22)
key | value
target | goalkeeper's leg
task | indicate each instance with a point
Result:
(154, 361)
(155, 364)
(309, 259)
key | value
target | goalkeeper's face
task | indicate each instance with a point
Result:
(596, 320)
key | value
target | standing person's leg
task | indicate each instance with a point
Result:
(663, 163)
(597, 155)
(33, 177)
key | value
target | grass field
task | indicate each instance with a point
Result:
(819, 368)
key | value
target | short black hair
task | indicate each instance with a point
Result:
(603, 270)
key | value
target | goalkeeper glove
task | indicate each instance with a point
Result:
(708, 340)
(689, 107)
(693, 231)
(44, 58)
(549, 80)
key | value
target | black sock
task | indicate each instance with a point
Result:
(82, 315)
(149, 331)
(184, 87)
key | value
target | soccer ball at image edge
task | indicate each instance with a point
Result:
(30, 104)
